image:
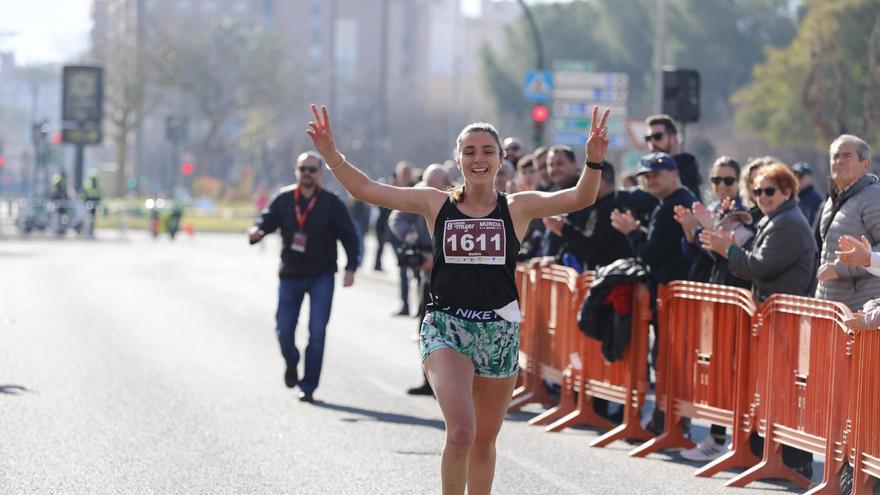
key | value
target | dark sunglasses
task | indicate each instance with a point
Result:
(769, 191)
(728, 181)
(657, 136)
(306, 168)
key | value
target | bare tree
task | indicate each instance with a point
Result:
(225, 72)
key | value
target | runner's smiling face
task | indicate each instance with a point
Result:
(479, 158)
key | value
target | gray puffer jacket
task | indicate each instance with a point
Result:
(783, 256)
(858, 215)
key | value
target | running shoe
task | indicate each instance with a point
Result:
(707, 450)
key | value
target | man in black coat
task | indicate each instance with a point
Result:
(587, 234)
(662, 137)
(311, 221)
(809, 200)
(659, 245)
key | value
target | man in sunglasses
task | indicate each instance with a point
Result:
(662, 137)
(311, 220)
(809, 200)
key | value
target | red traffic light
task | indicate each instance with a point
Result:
(56, 138)
(187, 168)
(540, 113)
(2, 161)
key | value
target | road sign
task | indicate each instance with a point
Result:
(82, 104)
(81, 136)
(574, 65)
(577, 89)
(538, 86)
(83, 92)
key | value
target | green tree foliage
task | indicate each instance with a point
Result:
(722, 39)
(826, 82)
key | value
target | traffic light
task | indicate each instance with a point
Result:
(2, 161)
(540, 113)
(187, 168)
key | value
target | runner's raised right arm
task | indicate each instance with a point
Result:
(422, 200)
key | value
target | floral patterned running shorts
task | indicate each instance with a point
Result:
(492, 346)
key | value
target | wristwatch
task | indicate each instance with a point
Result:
(594, 165)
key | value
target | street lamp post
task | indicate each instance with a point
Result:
(538, 133)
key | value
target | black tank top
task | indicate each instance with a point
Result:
(474, 259)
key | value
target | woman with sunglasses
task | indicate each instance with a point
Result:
(782, 258)
(469, 340)
(782, 255)
(726, 211)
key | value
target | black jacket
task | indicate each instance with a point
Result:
(659, 246)
(588, 235)
(598, 319)
(328, 222)
(809, 202)
(689, 172)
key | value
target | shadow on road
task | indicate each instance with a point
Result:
(380, 416)
(13, 389)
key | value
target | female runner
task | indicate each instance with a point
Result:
(469, 340)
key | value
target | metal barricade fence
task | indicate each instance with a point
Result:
(552, 302)
(866, 413)
(705, 335)
(808, 386)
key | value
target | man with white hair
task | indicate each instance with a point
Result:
(852, 208)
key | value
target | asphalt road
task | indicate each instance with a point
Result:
(141, 366)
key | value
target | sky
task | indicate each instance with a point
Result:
(40, 31)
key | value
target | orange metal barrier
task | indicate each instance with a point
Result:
(550, 307)
(623, 381)
(559, 352)
(808, 363)
(866, 413)
(567, 344)
(703, 367)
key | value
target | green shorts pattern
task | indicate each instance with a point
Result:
(492, 346)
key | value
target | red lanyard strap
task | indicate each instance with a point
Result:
(300, 216)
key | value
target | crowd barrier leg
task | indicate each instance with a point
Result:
(771, 466)
(578, 403)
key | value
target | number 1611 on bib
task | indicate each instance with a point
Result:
(474, 241)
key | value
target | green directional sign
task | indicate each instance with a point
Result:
(575, 65)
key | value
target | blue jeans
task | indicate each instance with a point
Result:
(290, 299)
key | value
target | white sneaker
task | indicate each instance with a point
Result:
(707, 450)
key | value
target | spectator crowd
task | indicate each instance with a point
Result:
(762, 226)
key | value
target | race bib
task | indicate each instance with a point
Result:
(474, 240)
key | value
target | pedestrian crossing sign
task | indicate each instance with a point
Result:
(538, 86)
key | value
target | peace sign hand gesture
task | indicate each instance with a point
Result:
(597, 142)
(322, 133)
